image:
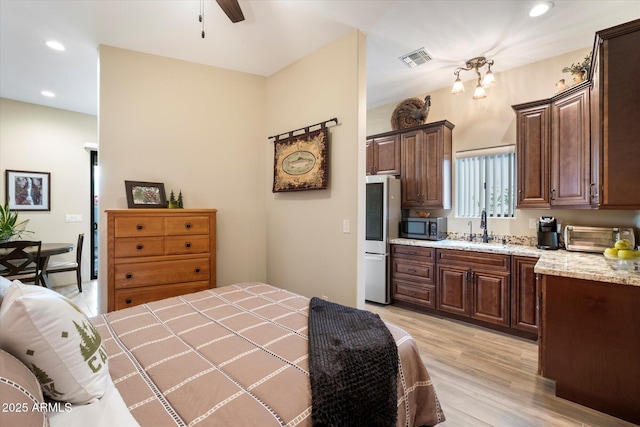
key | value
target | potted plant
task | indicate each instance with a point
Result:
(10, 227)
(579, 70)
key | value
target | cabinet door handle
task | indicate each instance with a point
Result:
(139, 227)
(553, 194)
(197, 269)
(187, 225)
(128, 275)
(187, 244)
(139, 246)
(128, 301)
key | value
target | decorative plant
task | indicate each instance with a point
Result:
(580, 67)
(172, 201)
(9, 225)
(180, 203)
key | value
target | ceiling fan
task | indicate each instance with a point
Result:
(230, 7)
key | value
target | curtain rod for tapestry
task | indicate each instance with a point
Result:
(306, 129)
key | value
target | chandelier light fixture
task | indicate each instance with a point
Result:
(483, 83)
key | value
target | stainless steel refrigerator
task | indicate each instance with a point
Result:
(382, 218)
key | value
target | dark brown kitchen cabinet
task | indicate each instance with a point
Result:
(553, 147)
(383, 155)
(615, 110)
(524, 294)
(412, 271)
(473, 284)
(532, 152)
(571, 148)
(589, 343)
(425, 153)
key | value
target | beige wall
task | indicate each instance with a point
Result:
(195, 128)
(43, 139)
(205, 130)
(307, 251)
(491, 121)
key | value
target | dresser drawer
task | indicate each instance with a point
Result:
(132, 275)
(186, 225)
(139, 226)
(130, 297)
(128, 247)
(177, 245)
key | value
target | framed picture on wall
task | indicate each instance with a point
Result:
(28, 191)
(145, 194)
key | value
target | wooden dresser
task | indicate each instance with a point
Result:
(159, 253)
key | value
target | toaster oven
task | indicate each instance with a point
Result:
(595, 239)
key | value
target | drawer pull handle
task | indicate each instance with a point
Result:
(411, 270)
(187, 225)
(139, 246)
(139, 227)
(187, 244)
(128, 275)
(128, 301)
(197, 269)
(411, 253)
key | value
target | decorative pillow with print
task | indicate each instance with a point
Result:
(55, 339)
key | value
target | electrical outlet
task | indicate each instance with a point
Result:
(73, 218)
(532, 223)
(346, 226)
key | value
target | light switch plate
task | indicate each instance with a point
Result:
(73, 218)
(346, 226)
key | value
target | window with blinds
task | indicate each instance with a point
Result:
(486, 180)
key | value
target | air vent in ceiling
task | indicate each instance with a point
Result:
(415, 58)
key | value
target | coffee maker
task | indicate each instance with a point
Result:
(547, 233)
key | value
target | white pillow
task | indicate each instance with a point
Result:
(60, 345)
(4, 287)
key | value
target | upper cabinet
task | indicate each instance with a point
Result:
(533, 122)
(422, 157)
(425, 153)
(383, 155)
(615, 110)
(580, 148)
(570, 148)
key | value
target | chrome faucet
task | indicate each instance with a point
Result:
(471, 236)
(483, 225)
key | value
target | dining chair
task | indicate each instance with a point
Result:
(65, 266)
(19, 260)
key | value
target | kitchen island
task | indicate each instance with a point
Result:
(588, 322)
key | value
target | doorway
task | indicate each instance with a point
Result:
(95, 214)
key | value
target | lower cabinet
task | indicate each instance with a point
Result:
(525, 315)
(412, 270)
(474, 285)
(495, 290)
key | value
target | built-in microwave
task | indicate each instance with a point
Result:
(423, 228)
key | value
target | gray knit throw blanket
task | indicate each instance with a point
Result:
(353, 363)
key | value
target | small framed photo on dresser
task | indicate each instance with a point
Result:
(145, 194)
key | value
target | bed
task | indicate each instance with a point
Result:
(231, 356)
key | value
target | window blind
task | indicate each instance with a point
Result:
(485, 180)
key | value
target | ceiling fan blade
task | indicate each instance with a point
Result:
(232, 9)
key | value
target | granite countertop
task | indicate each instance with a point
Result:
(579, 265)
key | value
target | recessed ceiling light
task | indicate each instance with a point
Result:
(540, 9)
(47, 93)
(55, 45)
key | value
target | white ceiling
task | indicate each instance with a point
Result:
(277, 33)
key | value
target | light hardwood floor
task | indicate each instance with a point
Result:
(483, 378)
